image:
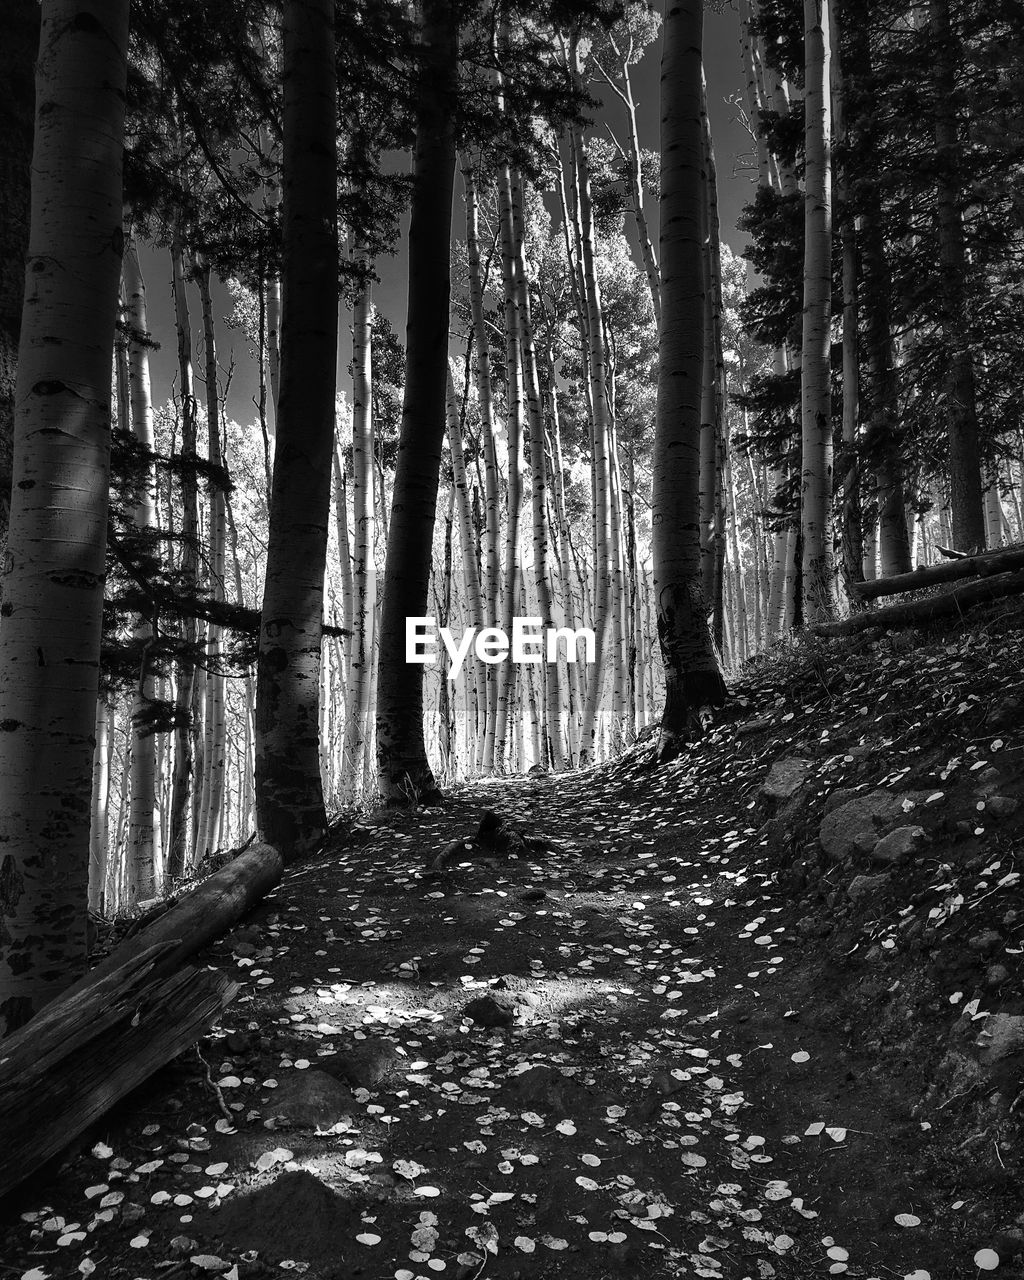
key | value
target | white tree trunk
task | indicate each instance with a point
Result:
(364, 578)
(53, 590)
(145, 860)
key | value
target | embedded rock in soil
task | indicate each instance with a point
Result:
(297, 1216)
(1006, 714)
(1001, 1037)
(491, 1011)
(785, 778)
(898, 845)
(866, 886)
(1001, 806)
(365, 1066)
(836, 799)
(997, 975)
(311, 1099)
(856, 827)
(987, 940)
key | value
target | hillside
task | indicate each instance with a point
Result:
(758, 1013)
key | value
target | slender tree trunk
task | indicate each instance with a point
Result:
(178, 835)
(289, 790)
(215, 725)
(693, 678)
(815, 382)
(401, 753)
(852, 551)
(100, 817)
(538, 479)
(514, 437)
(593, 335)
(470, 575)
(272, 209)
(961, 408)
(53, 593)
(145, 861)
(364, 578)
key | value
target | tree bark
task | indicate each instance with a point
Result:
(215, 724)
(401, 752)
(178, 834)
(815, 381)
(84, 1053)
(984, 566)
(693, 678)
(961, 408)
(145, 856)
(289, 791)
(918, 612)
(17, 98)
(53, 596)
(364, 577)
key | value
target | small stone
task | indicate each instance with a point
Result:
(364, 1066)
(866, 887)
(987, 940)
(898, 845)
(311, 1099)
(785, 778)
(1006, 714)
(997, 975)
(1000, 807)
(491, 1011)
(1001, 1037)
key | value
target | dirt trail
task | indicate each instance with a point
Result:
(629, 1057)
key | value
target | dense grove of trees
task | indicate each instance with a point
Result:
(598, 415)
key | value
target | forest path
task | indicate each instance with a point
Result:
(669, 1085)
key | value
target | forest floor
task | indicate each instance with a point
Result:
(711, 1034)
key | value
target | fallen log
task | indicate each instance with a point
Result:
(200, 915)
(915, 612)
(965, 567)
(90, 1047)
(126, 1018)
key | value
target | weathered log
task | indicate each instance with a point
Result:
(915, 612)
(965, 567)
(200, 915)
(90, 1047)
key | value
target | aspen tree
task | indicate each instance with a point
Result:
(492, 515)
(592, 334)
(470, 572)
(181, 786)
(211, 795)
(144, 845)
(100, 815)
(364, 578)
(692, 676)
(17, 59)
(538, 477)
(289, 790)
(815, 380)
(514, 441)
(627, 42)
(53, 588)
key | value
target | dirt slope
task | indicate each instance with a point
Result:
(675, 1045)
